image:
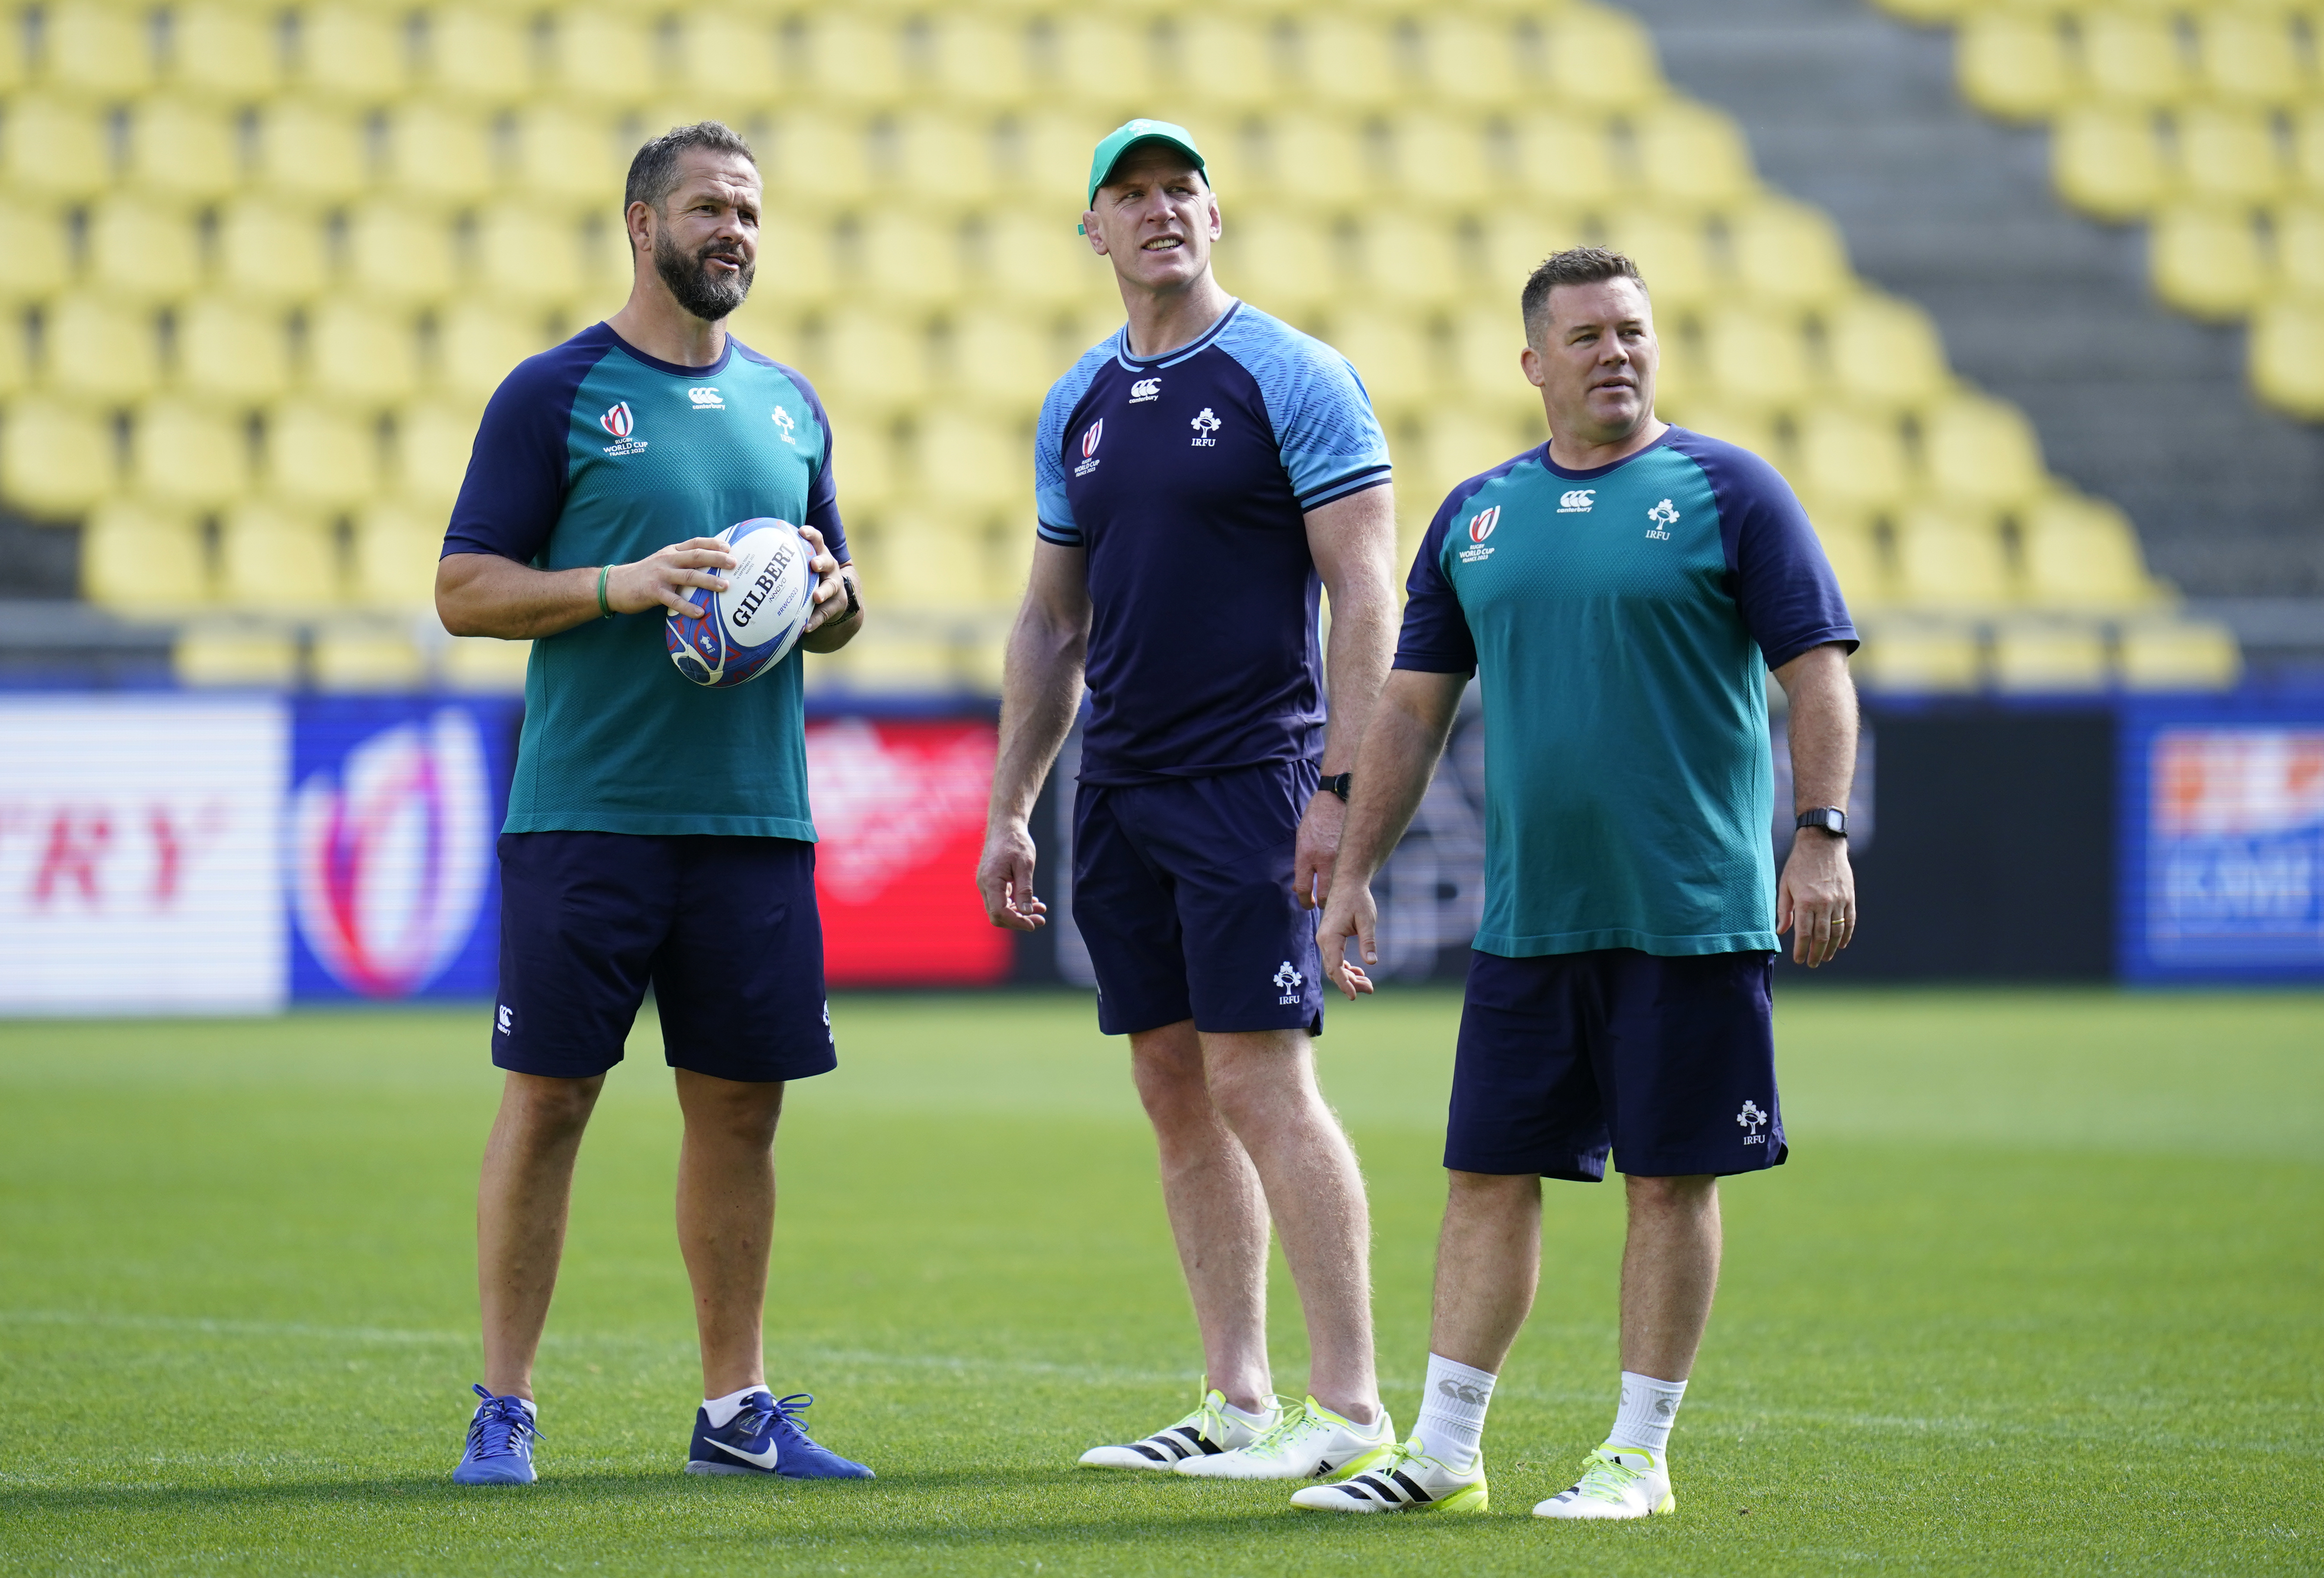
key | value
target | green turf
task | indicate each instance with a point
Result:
(2039, 1293)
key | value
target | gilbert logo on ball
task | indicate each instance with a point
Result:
(753, 624)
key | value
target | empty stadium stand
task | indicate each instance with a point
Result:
(264, 264)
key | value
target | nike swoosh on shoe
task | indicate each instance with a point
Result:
(765, 1460)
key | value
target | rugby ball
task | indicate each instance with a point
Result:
(753, 624)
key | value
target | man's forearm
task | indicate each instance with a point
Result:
(1822, 730)
(483, 594)
(1040, 691)
(1362, 644)
(1398, 757)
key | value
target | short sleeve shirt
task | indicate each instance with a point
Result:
(594, 453)
(1621, 622)
(1187, 477)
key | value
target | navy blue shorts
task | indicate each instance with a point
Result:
(1182, 892)
(1668, 1062)
(724, 930)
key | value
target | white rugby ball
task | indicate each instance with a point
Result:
(753, 624)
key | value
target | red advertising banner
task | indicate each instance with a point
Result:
(899, 807)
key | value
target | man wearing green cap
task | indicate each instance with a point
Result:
(1202, 475)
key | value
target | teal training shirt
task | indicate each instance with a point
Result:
(1621, 622)
(594, 453)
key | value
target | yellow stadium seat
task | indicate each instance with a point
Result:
(141, 559)
(2180, 656)
(2082, 553)
(1673, 255)
(1852, 458)
(1475, 63)
(1518, 236)
(480, 664)
(2013, 64)
(2228, 152)
(54, 148)
(818, 155)
(1787, 251)
(984, 60)
(2105, 161)
(533, 259)
(142, 249)
(98, 49)
(398, 251)
(2132, 56)
(365, 657)
(1413, 266)
(34, 259)
(285, 561)
(1226, 62)
(1749, 428)
(916, 561)
(313, 148)
(2049, 656)
(272, 251)
(223, 51)
(1855, 558)
(1303, 153)
(869, 462)
(905, 253)
(55, 460)
(568, 157)
(1460, 441)
(231, 350)
(728, 58)
(1288, 261)
(439, 153)
(362, 352)
(433, 442)
(1006, 358)
(101, 349)
(1689, 153)
(1602, 57)
(321, 459)
(873, 358)
(184, 150)
(2250, 55)
(1031, 257)
(1099, 57)
(238, 656)
(855, 57)
(1392, 355)
(603, 55)
(1044, 156)
(1929, 13)
(2287, 356)
(1981, 452)
(1901, 657)
(478, 342)
(1756, 355)
(480, 54)
(1951, 559)
(969, 459)
(936, 157)
(15, 359)
(2299, 234)
(2206, 260)
(1444, 158)
(1883, 349)
(353, 51)
(189, 453)
(2307, 150)
(1350, 61)
(1565, 158)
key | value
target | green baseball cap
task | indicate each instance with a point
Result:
(1127, 135)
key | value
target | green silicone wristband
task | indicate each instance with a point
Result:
(605, 608)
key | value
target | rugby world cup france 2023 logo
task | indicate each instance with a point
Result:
(389, 856)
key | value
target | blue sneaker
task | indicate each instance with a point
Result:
(765, 1438)
(499, 1443)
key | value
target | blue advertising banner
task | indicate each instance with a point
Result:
(2223, 840)
(388, 832)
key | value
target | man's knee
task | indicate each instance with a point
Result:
(1166, 1065)
(1667, 1196)
(741, 1111)
(1472, 1196)
(1259, 1079)
(549, 1108)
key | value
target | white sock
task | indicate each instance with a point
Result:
(1257, 1421)
(723, 1409)
(1451, 1423)
(1648, 1408)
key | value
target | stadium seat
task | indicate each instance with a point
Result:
(2250, 54)
(1786, 252)
(818, 156)
(2049, 656)
(1392, 353)
(226, 52)
(143, 250)
(278, 559)
(2082, 553)
(56, 459)
(93, 48)
(1688, 154)
(2287, 356)
(361, 353)
(1475, 63)
(1672, 252)
(1602, 57)
(482, 664)
(919, 561)
(854, 58)
(313, 150)
(568, 157)
(1898, 656)
(1301, 153)
(1951, 560)
(183, 150)
(2227, 153)
(2299, 234)
(2207, 261)
(532, 259)
(230, 350)
(1855, 558)
(1103, 57)
(1445, 158)
(1225, 60)
(2132, 55)
(400, 252)
(1350, 61)
(1294, 266)
(271, 251)
(318, 459)
(972, 460)
(1459, 442)
(477, 342)
(1564, 159)
(907, 253)
(1749, 427)
(1884, 349)
(728, 55)
(101, 349)
(235, 654)
(189, 453)
(872, 358)
(439, 154)
(433, 441)
(868, 461)
(365, 657)
(480, 54)
(1412, 268)
(1756, 354)
(354, 52)
(1004, 358)
(34, 259)
(982, 61)
(16, 357)
(54, 148)
(2105, 161)
(2179, 655)
(601, 55)
(2013, 64)
(1852, 458)
(1979, 451)
(1516, 237)
(141, 559)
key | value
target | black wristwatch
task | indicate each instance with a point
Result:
(1830, 817)
(1337, 783)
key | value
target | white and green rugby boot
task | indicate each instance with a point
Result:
(1309, 1442)
(1407, 1479)
(1212, 1430)
(1616, 1482)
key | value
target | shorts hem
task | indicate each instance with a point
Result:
(1662, 947)
(1696, 1167)
(554, 1068)
(766, 1073)
(1566, 1169)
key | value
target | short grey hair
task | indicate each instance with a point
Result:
(653, 173)
(1578, 265)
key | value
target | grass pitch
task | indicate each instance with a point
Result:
(2039, 1292)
